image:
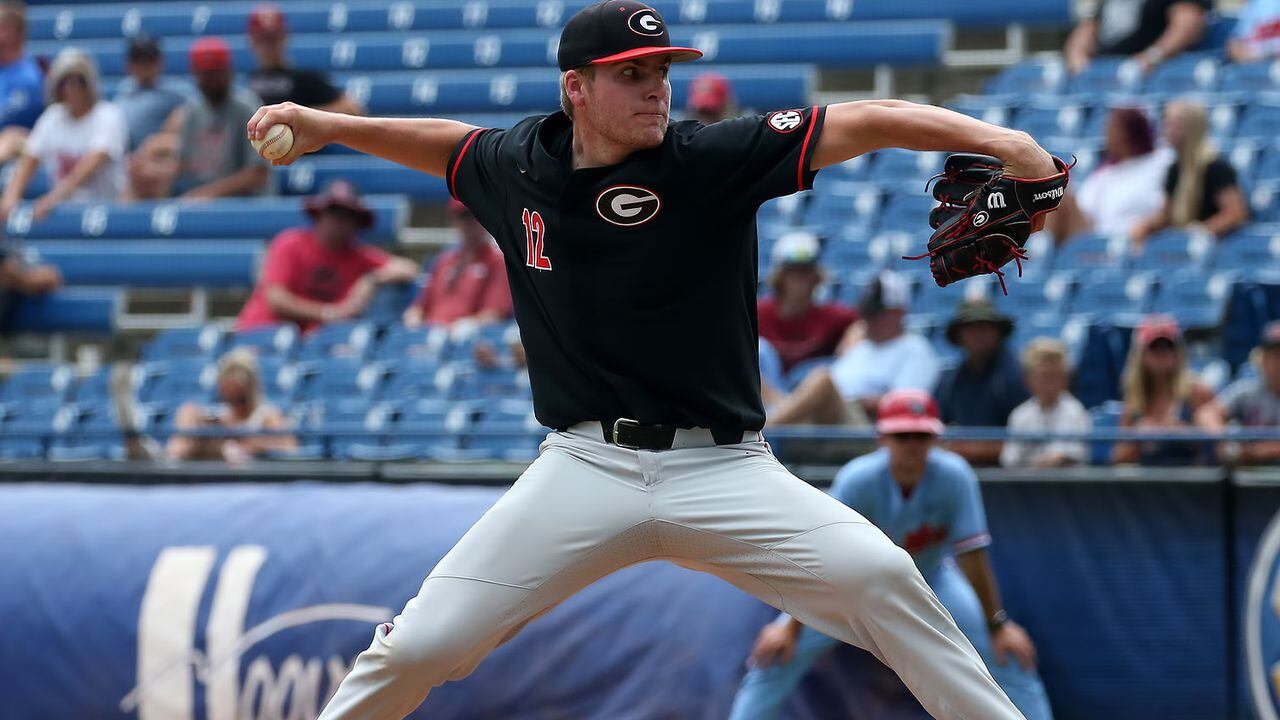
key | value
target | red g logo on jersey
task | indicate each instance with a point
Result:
(784, 121)
(628, 205)
(645, 22)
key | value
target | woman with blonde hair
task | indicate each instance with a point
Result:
(1161, 395)
(1201, 189)
(79, 140)
(243, 408)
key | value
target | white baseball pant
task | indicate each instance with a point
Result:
(586, 508)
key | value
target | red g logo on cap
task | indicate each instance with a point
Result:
(645, 22)
(908, 411)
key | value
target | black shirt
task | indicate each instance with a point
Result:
(1218, 176)
(634, 284)
(1127, 27)
(984, 397)
(304, 87)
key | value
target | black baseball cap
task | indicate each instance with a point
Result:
(143, 47)
(617, 30)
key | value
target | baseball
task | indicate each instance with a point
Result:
(275, 142)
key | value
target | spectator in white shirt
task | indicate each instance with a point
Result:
(79, 140)
(876, 356)
(1051, 409)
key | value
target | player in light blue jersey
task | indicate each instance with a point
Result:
(926, 500)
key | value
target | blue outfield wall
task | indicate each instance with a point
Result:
(216, 601)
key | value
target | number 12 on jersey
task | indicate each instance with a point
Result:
(535, 236)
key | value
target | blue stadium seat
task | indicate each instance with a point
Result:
(1030, 77)
(909, 213)
(223, 219)
(1248, 250)
(420, 344)
(196, 342)
(995, 109)
(340, 378)
(86, 310)
(431, 428)
(1268, 167)
(1091, 252)
(1174, 250)
(154, 263)
(839, 205)
(1251, 77)
(268, 341)
(1189, 72)
(1261, 121)
(43, 385)
(351, 340)
(1105, 416)
(175, 381)
(92, 388)
(905, 165)
(310, 175)
(476, 383)
(1046, 120)
(1118, 297)
(1197, 301)
(1264, 201)
(92, 432)
(1107, 75)
(25, 430)
(507, 430)
(414, 379)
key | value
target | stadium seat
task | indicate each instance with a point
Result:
(268, 341)
(895, 165)
(347, 426)
(174, 381)
(38, 385)
(92, 388)
(416, 344)
(1197, 301)
(178, 343)
(1117, 297)
(86, 310)
(1031, 77)
(26, 429)
(1045, 120)
(995, 109)
(1174, 250)
(1264, 201)
(154, 263)
(350, 340)
(1091, 252)
(1107, 75)
(90, 432)
(415, 379)
(223, 219)
(1248, 250)
(1251, 77)
(1186, 73)
(507, 430)
(340, 378)
(1260, 121)
(476, 383)
(431, 428)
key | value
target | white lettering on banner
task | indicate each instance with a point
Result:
(414, 52)
(1054, 193)
(169, 663)
(337, 17)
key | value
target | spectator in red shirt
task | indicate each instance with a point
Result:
(468, 282)
(323, 273)
(798, 327)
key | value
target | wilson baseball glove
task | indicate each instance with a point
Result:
(984, 217)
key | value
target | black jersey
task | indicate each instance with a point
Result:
(634, 284)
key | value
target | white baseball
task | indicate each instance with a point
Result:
(276, 142)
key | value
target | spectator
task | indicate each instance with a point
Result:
(885, 358)
(1160, 396)
(22, 274)
(215, 158)
(710, 98)
(1051, 409)
(79, 140)
(146, 97)
(772, 383)
(798, 327)
(467, 283)
(21, 82)
(1256, 35)
(987, 384)
(1201, 190)
(323, 273)
(275, 81)
(241, 407)
(1252, 402)
(1125, 190)
(1150, 30)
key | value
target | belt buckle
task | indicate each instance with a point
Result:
(619, 443)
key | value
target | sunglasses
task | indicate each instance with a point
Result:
(917, 437)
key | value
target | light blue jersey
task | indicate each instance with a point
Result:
(941, 517)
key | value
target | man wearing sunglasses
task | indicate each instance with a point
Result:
(926, 499)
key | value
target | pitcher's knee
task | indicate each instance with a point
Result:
(424, 650)
(884, 571)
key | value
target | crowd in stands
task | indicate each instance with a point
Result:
(823, 361)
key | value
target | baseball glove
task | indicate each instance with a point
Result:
(984, 217)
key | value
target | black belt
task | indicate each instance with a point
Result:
(634, 436)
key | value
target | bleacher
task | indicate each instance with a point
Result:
(373, 390)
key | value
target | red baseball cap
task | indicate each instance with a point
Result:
(340, 195)
(267, 19)
(209, 53)
(1157, 327)
(908, 411)
(709, 91)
